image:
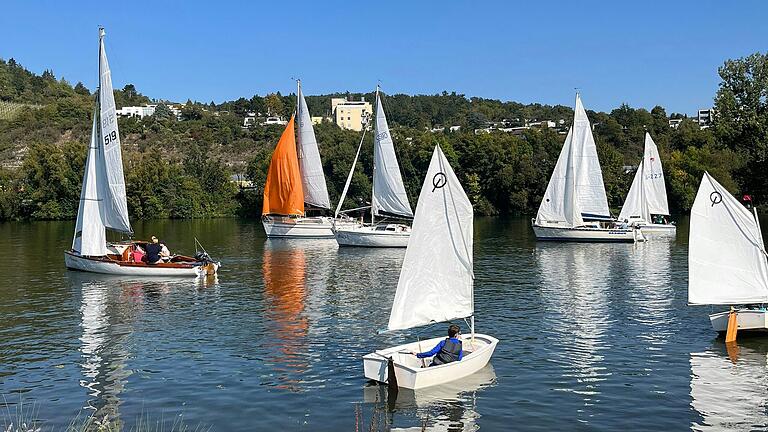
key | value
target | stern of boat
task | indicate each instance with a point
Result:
(747, 319)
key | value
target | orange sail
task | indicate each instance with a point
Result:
(283, 194)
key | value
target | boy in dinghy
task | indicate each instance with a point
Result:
(447, 351)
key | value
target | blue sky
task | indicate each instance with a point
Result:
(642, 53)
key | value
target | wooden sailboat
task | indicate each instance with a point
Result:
(435, 285)
(727, 259)
(389, 199)
(575, 207)
(296, 178)
(646, 206)
(103, 202)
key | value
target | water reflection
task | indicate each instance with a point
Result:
(447, 407)
(728, 394)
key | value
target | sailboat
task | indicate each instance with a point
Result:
(435, 285)
(575, 207)
(103, 202)
(727, 259)
(646, 206)
(296, 178)
(389, 198)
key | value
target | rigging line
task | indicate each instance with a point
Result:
(349, 176)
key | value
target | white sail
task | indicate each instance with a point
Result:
(558, 206)
(312, 177)
(635, 206)
(114, 205)
(389, 194)
(726, 258)
(436, 278)
(654, 186)
(590, 190)
(90, 237)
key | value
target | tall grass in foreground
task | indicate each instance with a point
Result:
(24, 417)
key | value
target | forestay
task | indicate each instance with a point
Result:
(726, 254)
(436, 278)
(559, 206)
(110, 167)
(389, 194)
(312, 176)
(90, 236)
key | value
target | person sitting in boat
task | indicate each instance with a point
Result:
(447, 351)
(165, 254)
(153, 251)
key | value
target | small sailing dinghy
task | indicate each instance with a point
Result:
(389, 199)
(296, 178)
(646, 206)
(436, 285)
(103, 202)
(727, 259)
(575, 207)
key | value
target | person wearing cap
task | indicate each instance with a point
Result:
(153, 251)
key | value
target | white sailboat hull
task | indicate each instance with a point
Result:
(103, 265)
(666, 229)
(309, 227)
(747, 319)
(369, 236)
(409, 371)
(587, 234)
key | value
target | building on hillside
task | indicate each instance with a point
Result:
(137, 111)
(705, 117)
(675, 123)
(349, 114)
(274, 121)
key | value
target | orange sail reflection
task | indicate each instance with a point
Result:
(285, 294)
(283, 193)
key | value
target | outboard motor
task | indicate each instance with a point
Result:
(203, 256)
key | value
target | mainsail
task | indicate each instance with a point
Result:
(436, 279)
(726, 255)
(389, 194)
(575, 190)
(283, 192)
(114, 205)
(90, 236)
(312, 177)
(648, 193)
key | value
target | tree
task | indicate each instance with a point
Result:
(274, 104)
(162, 112)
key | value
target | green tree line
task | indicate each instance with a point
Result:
(182, 168)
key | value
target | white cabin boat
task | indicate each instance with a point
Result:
(280, 218)
(435, 285)
(727, 259)
(103, 202)
(646, 206)
(389, 199)
(574, 206)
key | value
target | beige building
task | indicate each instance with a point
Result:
(349, 114)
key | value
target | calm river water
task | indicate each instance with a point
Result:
(593, 337)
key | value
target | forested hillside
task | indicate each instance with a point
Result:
(181, 168)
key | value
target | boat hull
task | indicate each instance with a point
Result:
(753, 320)
(409, 371)
(104, 265)
(658, 229)
(366, 236)
(585, 234)
(310, 227)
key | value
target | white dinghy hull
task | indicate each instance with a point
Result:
(656, 229)
(368, 236)
(586, 234)
(301, 227)
(104, 265)
(409, 371)
(755, 320)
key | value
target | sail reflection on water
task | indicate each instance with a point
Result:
(447, 407)
(577, 316)
(651, 294)
(730, 394)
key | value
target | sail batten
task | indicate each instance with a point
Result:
(389, 196)
(283, 193)
(312, 176)
(727, 263)
(436, 278)
(111, 179)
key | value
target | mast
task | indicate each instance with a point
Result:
(373, 176)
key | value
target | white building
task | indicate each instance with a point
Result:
(705, 117)
(137, 111)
